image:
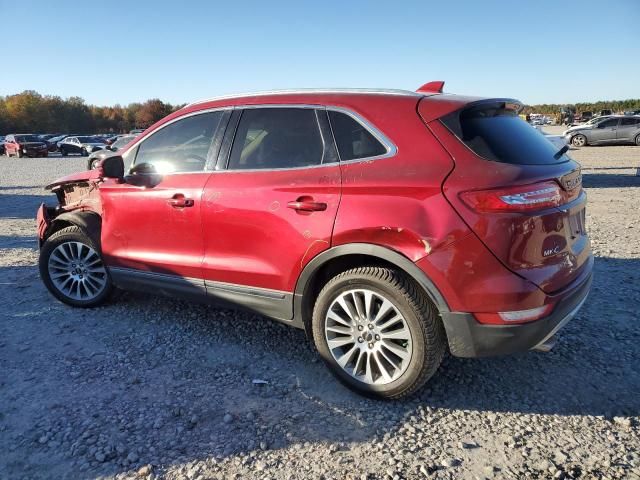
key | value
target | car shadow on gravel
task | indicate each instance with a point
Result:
(608, 180)
(153, 380)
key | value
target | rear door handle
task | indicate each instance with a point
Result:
(180, 201)
(306, 204)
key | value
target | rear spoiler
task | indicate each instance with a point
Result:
(437, 106)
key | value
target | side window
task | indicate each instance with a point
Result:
(612, 122)
(277, 138)
(353, 139)
(182, 146)
(629, 121)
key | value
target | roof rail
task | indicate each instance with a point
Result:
(432, 87)
(383, 91)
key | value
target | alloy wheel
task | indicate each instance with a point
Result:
(368, 336)
(76, 271)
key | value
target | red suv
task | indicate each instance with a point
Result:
(391, 226)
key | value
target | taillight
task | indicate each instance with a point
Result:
(517, 316)
(535, 196)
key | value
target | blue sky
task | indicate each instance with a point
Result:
(178, 51)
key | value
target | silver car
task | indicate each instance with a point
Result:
(606, 129)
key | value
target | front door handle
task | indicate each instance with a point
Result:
(180, 201)
(306, 204)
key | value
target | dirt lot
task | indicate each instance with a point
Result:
(155, 388)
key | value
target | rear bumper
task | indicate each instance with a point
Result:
(469, 338)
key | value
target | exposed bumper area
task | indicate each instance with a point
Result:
(469, 338)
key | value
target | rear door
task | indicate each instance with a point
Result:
(271, 206)
(628, 129)
(157, 228)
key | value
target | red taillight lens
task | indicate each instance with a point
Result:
(536, 196)
(517, 316)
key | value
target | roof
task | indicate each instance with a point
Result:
(307, 91)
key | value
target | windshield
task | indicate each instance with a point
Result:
(499, 134)
(90, 140)
(122, 141)
(27, 138)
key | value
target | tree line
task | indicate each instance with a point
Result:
(31, 112)
(614, 105)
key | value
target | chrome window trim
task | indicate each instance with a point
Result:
(161, 127)
(362, 91)
(392, 150)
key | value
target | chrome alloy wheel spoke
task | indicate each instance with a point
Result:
(76, 271)
(368, 336)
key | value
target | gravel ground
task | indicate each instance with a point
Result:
(150, 387)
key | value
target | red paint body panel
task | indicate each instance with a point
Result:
(141, 230)
(253, 238)
(397, 202)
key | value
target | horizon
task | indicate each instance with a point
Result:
(117, 54)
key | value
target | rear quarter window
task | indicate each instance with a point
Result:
(498, 134)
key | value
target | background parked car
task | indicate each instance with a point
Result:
(1, 145)
(96, 157)
(82, 145)
(52, 143)
(610, 129)
(25, 145)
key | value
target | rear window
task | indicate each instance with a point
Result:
(496, 133)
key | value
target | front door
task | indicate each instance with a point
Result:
(605, 131)
(271, 208)
(154, 232)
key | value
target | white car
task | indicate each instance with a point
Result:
(558, 140)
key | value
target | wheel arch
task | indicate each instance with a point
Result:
(89, 222)
(344, 257)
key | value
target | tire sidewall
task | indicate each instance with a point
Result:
(69, 234)
(416, 364)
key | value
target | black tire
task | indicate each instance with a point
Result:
(428, 337)
(66, 235)
(579, 140)
(63, 152)
(84, 152)
(18, 153)
(637, 140)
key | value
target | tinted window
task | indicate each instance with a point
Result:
(498, 134)
(181, 146)
(277, 138)
(90, 140)
(608, 123)
(630, 121)
(354, 140)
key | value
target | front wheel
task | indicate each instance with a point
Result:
(72, 270)
(637, 140)
(93, 164)
(579, 140)
(378, 332)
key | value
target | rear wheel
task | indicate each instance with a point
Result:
(377, 331)
(63, 152)
(18, 153)
(638, 140)
(579, 140)
(84, 152)
(72, 270)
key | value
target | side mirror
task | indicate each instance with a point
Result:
(112, 167)
(143, 175)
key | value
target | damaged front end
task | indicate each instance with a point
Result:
(78, 204)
